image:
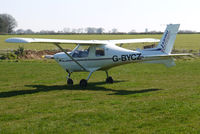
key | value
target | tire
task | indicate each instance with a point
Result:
(83, 83)
(109, 80)
(70, 81)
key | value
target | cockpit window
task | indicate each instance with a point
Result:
(100, 51)
(81, 52)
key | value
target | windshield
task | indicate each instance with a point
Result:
(81, 51)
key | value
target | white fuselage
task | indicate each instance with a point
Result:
(113, 56)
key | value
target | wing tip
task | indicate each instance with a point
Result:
(16, 40)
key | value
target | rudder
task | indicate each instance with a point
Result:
(167, 41)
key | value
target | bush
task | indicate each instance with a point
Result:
(20, 52)
(8, 56)
(3, 57)
(11, 56)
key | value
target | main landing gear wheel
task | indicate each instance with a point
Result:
(70, 81)
(109, 80)
(83, 83)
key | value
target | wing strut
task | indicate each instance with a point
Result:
(57, 44)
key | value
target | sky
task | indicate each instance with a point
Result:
(125, 15)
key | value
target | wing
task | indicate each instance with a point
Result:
(125, 41)
(88, 42)
(55, 41)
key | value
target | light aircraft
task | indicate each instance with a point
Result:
(95, 55)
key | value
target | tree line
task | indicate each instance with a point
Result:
(8, 24)
(88, 30)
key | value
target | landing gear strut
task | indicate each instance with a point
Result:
(109, 79)
(83, 82)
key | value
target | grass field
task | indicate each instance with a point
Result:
(183, 41)
(146, 98)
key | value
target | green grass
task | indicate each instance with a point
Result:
(146, 98)
(183, 41)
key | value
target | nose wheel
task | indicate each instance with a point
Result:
(70, 82)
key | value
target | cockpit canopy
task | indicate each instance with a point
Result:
(82, 51)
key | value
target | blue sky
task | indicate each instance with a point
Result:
(124, 15)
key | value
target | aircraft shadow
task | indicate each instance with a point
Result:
(91, 86)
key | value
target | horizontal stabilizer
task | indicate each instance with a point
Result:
(168, 55)
(169, 62)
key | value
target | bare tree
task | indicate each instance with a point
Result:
(114, 30)
(7, 23)
(67, 30)
(94, 30)
(29, 31)
(100, 30)
(19, 31)
(90, 30)
(74, 30)
(187, 31)
(80, 30)
(47, 32)
(132, 31)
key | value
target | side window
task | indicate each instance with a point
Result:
(100, 52)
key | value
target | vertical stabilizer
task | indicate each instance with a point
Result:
(167, 41)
